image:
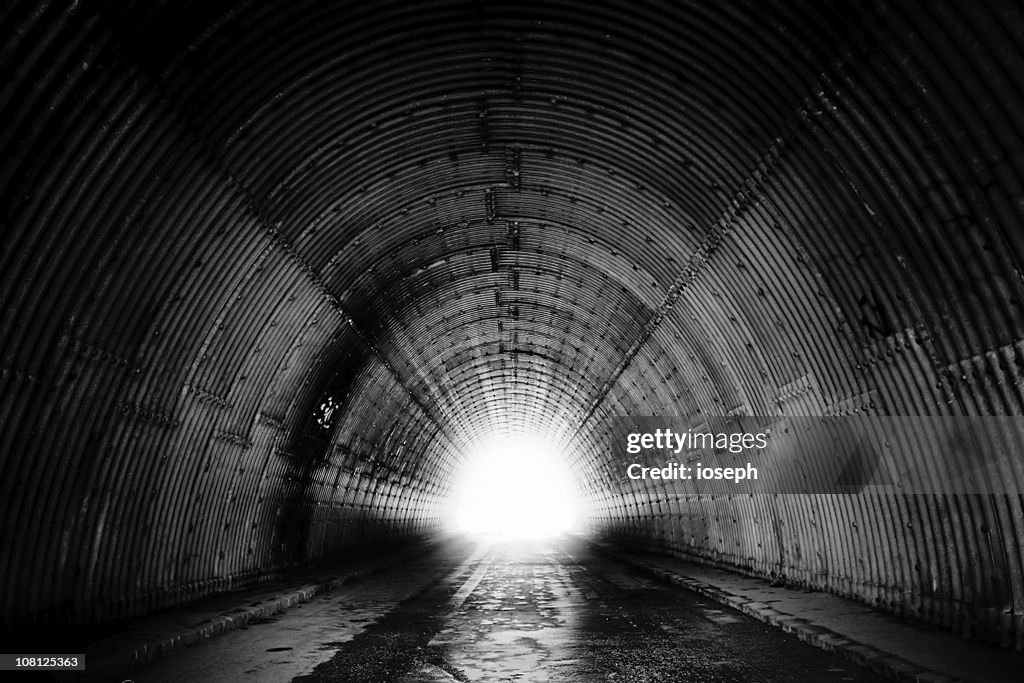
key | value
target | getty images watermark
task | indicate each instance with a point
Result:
(665, 440)
(819, 454)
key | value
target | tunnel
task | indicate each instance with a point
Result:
(272, 273)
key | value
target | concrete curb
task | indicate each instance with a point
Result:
(116, 667)
(878, 661)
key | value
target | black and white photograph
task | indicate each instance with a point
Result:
(512, 341)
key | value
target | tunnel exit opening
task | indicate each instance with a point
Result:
(515, 486)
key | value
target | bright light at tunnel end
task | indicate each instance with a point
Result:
(515, 487)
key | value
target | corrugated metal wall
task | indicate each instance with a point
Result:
(267, 268)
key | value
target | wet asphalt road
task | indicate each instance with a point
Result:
(507, 611)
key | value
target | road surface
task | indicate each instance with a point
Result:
(492, 610)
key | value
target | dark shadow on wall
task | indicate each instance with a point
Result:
(310, 449)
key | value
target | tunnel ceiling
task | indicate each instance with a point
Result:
(270, 268)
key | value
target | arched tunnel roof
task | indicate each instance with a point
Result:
(270, 268)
